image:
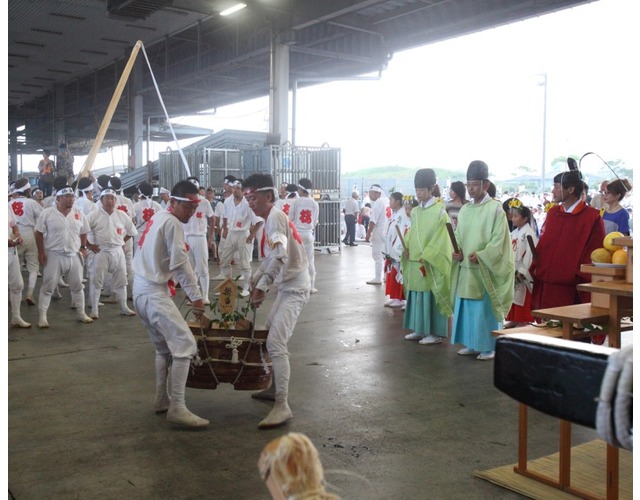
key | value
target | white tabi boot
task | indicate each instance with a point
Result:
(43, 305)
(78, 299)
(204, 288)
(163, 401)
(280, 413)
(121, 294)
(178, 412)
(16, 320)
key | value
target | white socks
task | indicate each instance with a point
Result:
(178, 412)
(162, 374)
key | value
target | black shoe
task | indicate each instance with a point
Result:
(353, 244)
(345, 242)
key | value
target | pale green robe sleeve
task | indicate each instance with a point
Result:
(483, 229)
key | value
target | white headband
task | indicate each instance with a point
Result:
(64, 191)
(108, 191)
(164, 191)
(375, 189)
(180, 198)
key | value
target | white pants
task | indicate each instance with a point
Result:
(167, 329)
(29, 252)
(108, 261)
(16, 283)
(281, 322)
(59, 265)
(199, 259)
(308, 240)
(236, 241)
(377, 247)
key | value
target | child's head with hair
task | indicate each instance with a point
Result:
(520, 214)
(291, 467)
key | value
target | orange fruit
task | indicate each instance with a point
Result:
(601, 255)
(607, 242)
(619, 257)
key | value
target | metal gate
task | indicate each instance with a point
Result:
(285, 163)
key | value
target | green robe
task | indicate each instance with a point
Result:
(429, 247)
(483, 229)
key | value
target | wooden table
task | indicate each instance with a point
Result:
(620, 304)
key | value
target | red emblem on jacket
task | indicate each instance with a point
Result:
(147, 213)
(123, 208)
(285, 208)
(198, 215)
(18, 208)
(305, 216)
(77, 215)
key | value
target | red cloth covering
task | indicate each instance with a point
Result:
(521, 314)
(566, 243)
(392, 288)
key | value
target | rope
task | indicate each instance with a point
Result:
(614, 415)
(166, 114)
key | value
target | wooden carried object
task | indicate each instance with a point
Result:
(226, 355)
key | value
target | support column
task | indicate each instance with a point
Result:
(59, 115)
(279, 122)
(136, 116)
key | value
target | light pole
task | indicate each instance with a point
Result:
(544, 132)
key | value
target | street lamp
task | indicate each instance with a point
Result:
(544, 131)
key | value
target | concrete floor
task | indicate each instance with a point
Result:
(390, 418)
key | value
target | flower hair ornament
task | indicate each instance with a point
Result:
(548, 207)
(515, 204)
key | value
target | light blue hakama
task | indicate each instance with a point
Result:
(422, 315)
(473, 322)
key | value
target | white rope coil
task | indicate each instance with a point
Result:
(614, 416)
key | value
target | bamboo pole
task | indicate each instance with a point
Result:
(106, 121)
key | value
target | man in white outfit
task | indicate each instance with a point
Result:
(16, 283)
(162, 256)
(84, 198)
(164, 193)
(227, 192)
(239, 226)
(285, 266)
(111, 228)
(304, 213)
(61, 237)
(125, 205)
(26, 211)
(199, 233)
(143, 210)
(375, 233)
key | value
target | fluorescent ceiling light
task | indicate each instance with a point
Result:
(235, 8)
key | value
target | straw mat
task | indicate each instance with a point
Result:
(588, 466)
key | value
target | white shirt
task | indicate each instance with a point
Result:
(239, 217)
(283, 204)
(143, 210)
(85, 205)
(62, 234)
(285, 259)
(26, 212)
(162, 255)
(109, 231)
(199, 221)
(304, 213)
(379, 212)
